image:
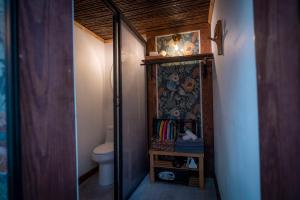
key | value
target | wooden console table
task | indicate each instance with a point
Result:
(155, 163)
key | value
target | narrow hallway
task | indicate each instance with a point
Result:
(163, 191)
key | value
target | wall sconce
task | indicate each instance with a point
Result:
(176, 38)
(218, 37)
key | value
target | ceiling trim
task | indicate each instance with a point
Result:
(211, 10)
(77, 24)
(179, 29)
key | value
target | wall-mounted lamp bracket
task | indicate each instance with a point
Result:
(204, 66)
(218, 37)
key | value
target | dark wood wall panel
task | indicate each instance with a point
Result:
(208, 125)
(277, 38)
(47, 99)
(207, 89)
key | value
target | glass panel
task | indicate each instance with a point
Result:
(135, 139)
(3, 153)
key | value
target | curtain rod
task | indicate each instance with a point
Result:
(160, 60)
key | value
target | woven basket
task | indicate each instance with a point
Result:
(162, 146)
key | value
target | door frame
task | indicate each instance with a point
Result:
(269, 84)
(14, 182)
(277, 39)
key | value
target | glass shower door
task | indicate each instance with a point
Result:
(134, 125)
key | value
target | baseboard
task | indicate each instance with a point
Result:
(136, 187)
(217, 188)
(88, 174)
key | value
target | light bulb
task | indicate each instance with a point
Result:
(176, 47)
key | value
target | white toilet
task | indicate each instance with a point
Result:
(104, 156)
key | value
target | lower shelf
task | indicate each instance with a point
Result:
(169, 165)
(185, 175)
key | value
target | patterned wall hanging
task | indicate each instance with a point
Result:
(179, 91)
(179, 44)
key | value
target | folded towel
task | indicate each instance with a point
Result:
(189, 150)
(196, 142)
(191, 134)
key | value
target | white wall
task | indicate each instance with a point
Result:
(92, 95)
(235, 103)
(109, 78)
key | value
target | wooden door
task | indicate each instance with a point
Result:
(47, 99)
(277, 39)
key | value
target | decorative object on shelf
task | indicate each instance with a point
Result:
(191, 163)
(187, 43)
(153, 53)
(218, 37)
(189, 135)
(167, 176)
(178, 162)
(166, 132)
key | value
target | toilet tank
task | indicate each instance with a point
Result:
(109, 135)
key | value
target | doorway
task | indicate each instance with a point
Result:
(44, 37)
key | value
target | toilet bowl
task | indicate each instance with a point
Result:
(104, 156)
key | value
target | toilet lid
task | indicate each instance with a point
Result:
(104, 148)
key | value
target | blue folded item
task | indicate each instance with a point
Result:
(189, 146)
(197, 142)
(189, 150)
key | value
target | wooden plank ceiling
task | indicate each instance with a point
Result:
(144, 15)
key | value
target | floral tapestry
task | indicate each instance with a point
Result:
(179, 91)
(189, 44)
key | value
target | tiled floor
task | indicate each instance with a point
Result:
(163, 191)
(90, 190)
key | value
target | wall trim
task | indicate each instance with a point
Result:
(211, 10)
(217, 187)
(77, 24)
(88, 174)
(177, 29)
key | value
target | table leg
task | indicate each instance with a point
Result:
(201, 173)
(152, 168)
